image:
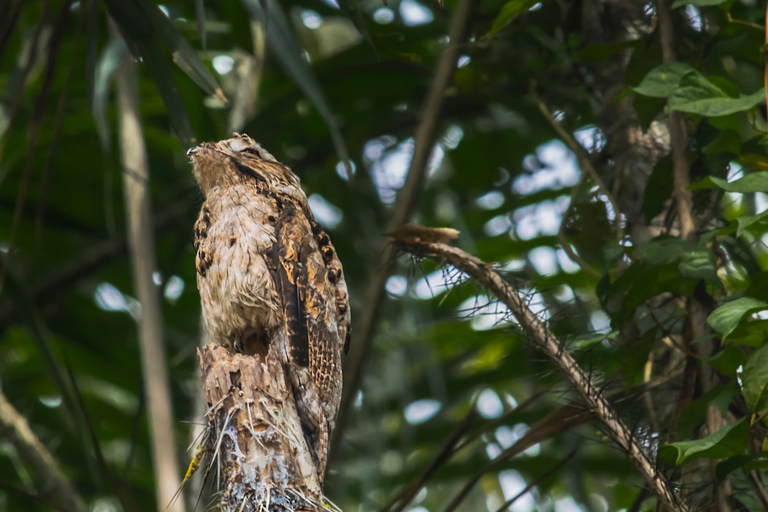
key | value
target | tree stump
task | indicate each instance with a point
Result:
(259, 452)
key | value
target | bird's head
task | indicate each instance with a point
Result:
(229, 161)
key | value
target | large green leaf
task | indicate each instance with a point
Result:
(661, 81)
(754, 182)
(726, 442)
(695, 262)
(727, 317)
(727, 361)
(697, 95)
(161, 74)
(141, 20)
(755, 381)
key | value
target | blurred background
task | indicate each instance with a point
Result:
(338, 92)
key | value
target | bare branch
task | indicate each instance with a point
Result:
(409, 492)
(91, 260)
(53, 487)
(587, 389)
(424, 141)
(142, 253)
(536, 482)
(584, 162)
(678, 134)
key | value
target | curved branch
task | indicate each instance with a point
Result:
(53, 487)
(587, 389)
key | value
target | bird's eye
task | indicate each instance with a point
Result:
(251, 151)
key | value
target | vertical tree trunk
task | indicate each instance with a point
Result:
(258, 449)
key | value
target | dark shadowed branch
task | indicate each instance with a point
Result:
(53, 487)
(424, 141)
(536, 482)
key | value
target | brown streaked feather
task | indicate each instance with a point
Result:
(289, 240)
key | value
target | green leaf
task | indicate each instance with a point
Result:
(680, 3)
(748, 220)
(748, 462)
(200, 15)
(288, 53)
(507, 13)
(661, 81)
(665, 249)
(695, 262)
(729, 465)
(727, 142)
(648, 109)
(754, 380)
(754, 182)
(727, 361)
(161, 74)
(659, 189)
(92, 49)
(697, 95)
(143, 21)
(728, 316)
(695, 413)
(183, 54)
(699, 263)
(750, 334)
(727, 441)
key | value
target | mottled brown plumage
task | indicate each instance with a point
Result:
(265, 264)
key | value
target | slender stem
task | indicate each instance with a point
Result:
(678, 134)
(142, 255)
(584, 162)
(536, 482)
(405, 204)
(53, 487)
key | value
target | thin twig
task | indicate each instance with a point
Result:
(53, 487)
(678, 134)
(52, 147)
(536, 482)
(540, 334)
(404, 497)
(584, 162)
(142, 254)
(745, 23)
(405, 204)
(34, 131)
(51, 286)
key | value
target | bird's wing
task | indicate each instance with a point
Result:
(335, 275)
(309, 303)
(203, 252)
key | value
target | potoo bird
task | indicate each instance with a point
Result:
(265, 264)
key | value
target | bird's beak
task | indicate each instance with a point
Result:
(191, 151)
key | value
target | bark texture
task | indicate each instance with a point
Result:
(258, 448)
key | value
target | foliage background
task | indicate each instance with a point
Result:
(500, 173)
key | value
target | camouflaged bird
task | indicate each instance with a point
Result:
(265, 264)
